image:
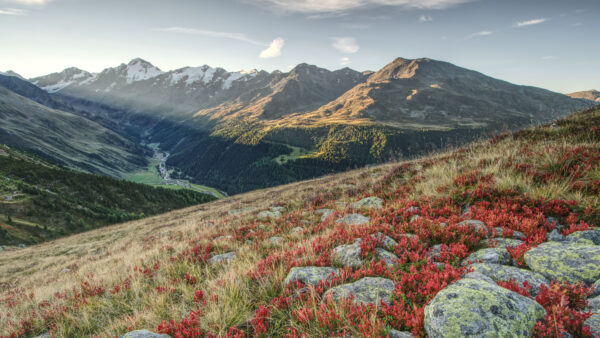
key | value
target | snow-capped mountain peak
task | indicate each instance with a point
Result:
(140, 70)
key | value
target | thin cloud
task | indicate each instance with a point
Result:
(482, 33)
(530, 22)
(329, 6)
(425, 18)
(345, 61)
(347, 45)
(209, 33)
(11, 11)
(30, 2)
(274, 49)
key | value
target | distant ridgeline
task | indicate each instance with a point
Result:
(41, 201)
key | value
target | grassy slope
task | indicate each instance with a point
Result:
(41, 201)
(528, 168)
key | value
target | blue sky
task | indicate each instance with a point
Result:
(547, 43)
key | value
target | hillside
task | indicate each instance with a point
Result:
(591, 95)
(41, 201)
(283, 261)
(62, 136)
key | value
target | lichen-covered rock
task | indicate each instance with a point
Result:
(310, 275)
(596, 291)
(143, 334)
(387, 257)
(499, 232)
(266, 214)
(565, 261)
(222, 258)
(399, 334)
(325, 213)
(490, 255)
(594, 304)
(476, 308)
(296, 230)
(476, 225)
(552, 221)
(435, 252)
(369, 290)
(590, 235)
(594, 324)
(505, 273)
(556, 236)
(347, 255)
(479, 276)
(500, 242)
(276, 241)
(368, 203)
(386, 241)
(354, 219)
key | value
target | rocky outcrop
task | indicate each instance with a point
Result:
(476, 308)
(565, 261)
(505, 273)
(491, 255)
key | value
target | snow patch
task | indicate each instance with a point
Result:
(57, 87)
(140, 71)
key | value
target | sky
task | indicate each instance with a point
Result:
(552, 44)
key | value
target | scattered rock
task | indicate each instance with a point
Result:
(490, 255)
(224, 238)
(22, 246)
(596, 289)
(143, 334)
(476, 225)
(275, 240)
(387, 257)
(280, 209)
(590, 235)
(476, 308)
(556, 236)
(354, 219)
(368, 203)
(554, 221)
(222, 258)
(435, 251)
(297, 229)
(505, 273)
(479, 276)
(325, 213)
(499, 232)
(386, 241)
(341, 205)
(500, 242)
(347, 255)
(415, 218)
(241, 210)
(594, 304)
(565, 261)
(269, 214)
(594, 323)
(311, 275)
(65, 270)
(399, 334)
(369, 290)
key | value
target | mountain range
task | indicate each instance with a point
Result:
(244, 130)
(591, 95)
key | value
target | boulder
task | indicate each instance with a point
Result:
(476, 308)
(143, 334)
(556, 236)
(325, 213)
(222, 258)
(500, 242)
(499, 232)
(479, 276)
(354, 219)
(490, 255)
(368, 203)
(347, 255)
(565, 261)
(369, 290)
(476, 225)
(435, 251)
(552, 221)
(311, 275)
(387, 257)
(505, 273)
(590, 235)
(276, 241)
(594, 304)
(596, 291)
(594, 323)
(266, 214)
(386, 241)
(399, 334)
(297, 230)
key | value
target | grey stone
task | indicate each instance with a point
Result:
(499, 232)
(476, 225)
(556, 236)
(269, 214)
(241, 210)
(500, 242)
(596, 291)
(275, 240)
(479, 276)
(368, 203)
(143, 334)
(369, 290)
(435, 251)
(387, 257)
(386, 241)
(565, 261)
(399, 334)
(22, 246)
(554, 221)
(415, 218)
(590, 235)
(222, 258)
(347, 255)
(505, 273)
(594, 323)
(297, 229)
(65, 270)
(310, 275)
(353, 219)
(490, 255)
(325, 213)
(476, 308)
(594, 304)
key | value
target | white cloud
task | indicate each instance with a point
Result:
(482, 33)
(345, 61)
(529, 22)
(30, 2)
(425, 18)
(274, 49)
(215, 34)
(346, 45)
(11, 11)
(328, 6)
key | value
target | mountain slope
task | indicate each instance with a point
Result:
(591, 95)
(247, 130)
(41, 201)
(165, 274)
(69, 139)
